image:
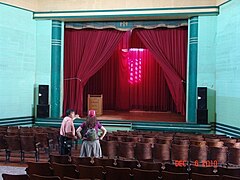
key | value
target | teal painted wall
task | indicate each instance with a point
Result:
(228, 64)
(25, 57)
(219, 63)
(206, 76)
(17, 62)
(43, 56)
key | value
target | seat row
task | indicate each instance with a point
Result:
(36, 177)
(171, 152)
(31, 140)
(165, 176)
(58, 171)
(209, 169)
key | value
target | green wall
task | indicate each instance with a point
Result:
(219, 63)
(228, 64)
(43, 56)
(206, 75)
(25, 46)
(17, 62)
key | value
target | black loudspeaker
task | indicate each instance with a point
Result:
(202, 116)
(42, 111)
(43, 94)
(202, 98)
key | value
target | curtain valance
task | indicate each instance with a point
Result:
(127, 25)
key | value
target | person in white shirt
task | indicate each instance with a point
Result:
(67, 132)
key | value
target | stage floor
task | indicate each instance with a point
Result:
(142, 116)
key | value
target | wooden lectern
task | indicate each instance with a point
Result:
(95, 102)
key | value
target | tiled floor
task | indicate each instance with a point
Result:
(16, 167)
(11, 170)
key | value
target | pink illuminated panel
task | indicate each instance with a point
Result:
(135, 65)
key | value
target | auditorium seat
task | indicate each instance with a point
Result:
(39, 129)
(230, 178)
(126, 150)
(228, 140)
(196, 137)
(62, 170)
(179, 152)
(230, 171)
(150, 140)
(139, 174)
(237, 145)
(39, 177)
(13, 131)
(169, 134)
(53, 135)
(180, 141)
(134, 139)
(91, 172)
(108, 137)
(198, 154)
(61, 159)
(42, 140)
(143, 151)
(196, 176)
(198, 143)
(15, 177)
(174, 168)
(3, 144)
(81, 160)
(161, 152)
(26, 134)
(116, 173)
(3, 128)
(23, 130)
(118, 138)
(13, 145)
(103, 162)
(218, 154)
(152, 135)
(234, 156)
(127, 164)
(39, 168)
(109, 148)
(203, 170)
(215, 143)
(174, 176)
(28, 145)
(150, 165)
(164, 140)
(229, 144)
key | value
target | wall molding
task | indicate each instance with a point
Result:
(179, 12)
(17, 121)
(226, 129)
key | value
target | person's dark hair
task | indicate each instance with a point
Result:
(91, 121)
(69, 111)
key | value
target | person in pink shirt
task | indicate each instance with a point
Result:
(67, 132)
(88, 132)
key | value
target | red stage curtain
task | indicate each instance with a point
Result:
(112, 80)
(150, 92)
(85, 52)
(169, 46)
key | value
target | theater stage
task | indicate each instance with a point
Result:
(152, 116)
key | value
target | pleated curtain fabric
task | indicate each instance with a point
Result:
(85, 52)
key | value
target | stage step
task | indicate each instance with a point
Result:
(112, 125)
